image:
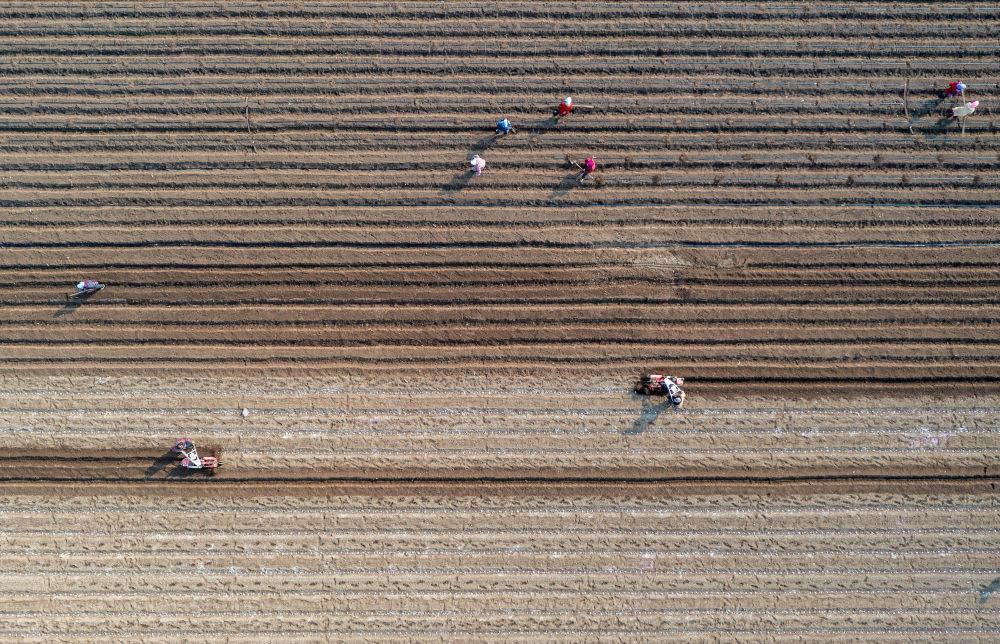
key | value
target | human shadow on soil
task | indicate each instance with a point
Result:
(650, 412)
(569, 182)
(483, 144)
(543, 126)
(535, 130)
(942, 124)
(926, 107)
(73, 304)
(459, 182)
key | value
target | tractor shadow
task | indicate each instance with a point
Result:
(650, 412)
(73, 304)
(162, 462)
(178, 472)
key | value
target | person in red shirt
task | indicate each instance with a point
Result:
(955, 88)
(564, 108)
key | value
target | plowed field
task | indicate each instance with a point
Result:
(277, 197)
(501, 562)
(284, 186)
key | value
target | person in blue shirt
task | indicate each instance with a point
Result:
(504, 128)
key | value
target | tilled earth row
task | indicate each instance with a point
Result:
(464, 426)
(500, 562)
(283, 187)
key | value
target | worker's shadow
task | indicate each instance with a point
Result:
(162, 462)
(927, 107)
(459, 182)
(484, 144)
(73, 304)
(569, 182)
(943, 124)
(650, 412)
(535, 130)
(987, 591)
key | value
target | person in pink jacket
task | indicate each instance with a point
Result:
(476, 165)
(85, 288)
(588, 166)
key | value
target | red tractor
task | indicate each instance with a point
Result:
(657, 385)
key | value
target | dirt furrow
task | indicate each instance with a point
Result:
(541, 316)
(739, 581)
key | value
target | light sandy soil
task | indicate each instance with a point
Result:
(482, 426)
(500, 562)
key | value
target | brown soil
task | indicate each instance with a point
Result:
(276, 196)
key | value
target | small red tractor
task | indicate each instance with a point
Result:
(186, 451)
(657, 385)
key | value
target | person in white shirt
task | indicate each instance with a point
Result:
(962, 111)
(476, 165)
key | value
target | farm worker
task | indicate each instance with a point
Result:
(670, 386)
(504, 127)
(955, 88)
(588, 166)
(476, 164)
(565, 107)
(87, 284)
(964, 110)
